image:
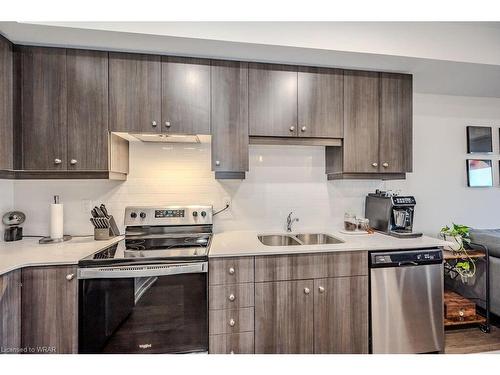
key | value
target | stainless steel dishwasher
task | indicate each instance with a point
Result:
(406, 295)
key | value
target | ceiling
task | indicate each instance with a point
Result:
(445, 57)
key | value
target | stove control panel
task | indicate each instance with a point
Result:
(169, 215)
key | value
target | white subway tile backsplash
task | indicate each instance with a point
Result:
(281, 179)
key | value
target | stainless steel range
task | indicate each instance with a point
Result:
(148, 293)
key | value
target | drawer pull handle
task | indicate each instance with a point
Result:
(70, 276)
(232, 322)
(307, 290)
(231, 352)
(321, 289)
(231, 297)
(231, 271)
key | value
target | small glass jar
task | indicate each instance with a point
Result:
(350, 223)
(363, 224)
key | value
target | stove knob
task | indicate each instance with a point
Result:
(195, 213)
(203, 213)
(133, 215)
(142, 215)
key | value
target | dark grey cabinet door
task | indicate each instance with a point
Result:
(134, 93)
(341, 315)
(6, 103)
(320, 102)
(229, 116)
(361, 121)
(395, 130)
(50, 308)
(44, 116)
(272, 100)
(10, 311)
(284, 315)
(185, 95)
(87, 74)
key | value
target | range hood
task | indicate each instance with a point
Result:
(167, 138)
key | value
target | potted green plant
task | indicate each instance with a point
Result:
(457, 235)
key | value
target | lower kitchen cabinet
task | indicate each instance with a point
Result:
(236, 343)
(10, 311)
(50, 309)
(284, 316)
(341, 315)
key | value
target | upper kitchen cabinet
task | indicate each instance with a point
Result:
(185, 104)
(395, 128)
(361, 117)
(6, 105)
(44, 105)
(377, 128)
(320, 102)
(87, 80)
(229, 118)
(272, 100)
(134, 93)
(64, 116)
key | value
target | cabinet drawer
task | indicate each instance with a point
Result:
(310, 266)
(231, 321)
(231, 296)
(230, 270)
(236, 343)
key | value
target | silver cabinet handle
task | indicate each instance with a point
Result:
(57, 161)
(231, 352)
(217, 162)
(231, 297)
(153, 123)
(73, 161)
(231, 270)
(374, 164)
(321, 289)
(70, 276)
(385, 165)
(307, 290)
(303, 129)
(167, 124)
(232, 322)
(292, 128)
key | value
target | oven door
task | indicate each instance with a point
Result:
(143, 309)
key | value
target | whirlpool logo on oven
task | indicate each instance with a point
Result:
(145, 346)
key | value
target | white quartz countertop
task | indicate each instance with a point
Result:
(28, 252)
(246, 243)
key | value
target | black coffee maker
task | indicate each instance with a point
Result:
(12, 220)
(392, 214)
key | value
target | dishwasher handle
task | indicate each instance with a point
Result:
(407, 263)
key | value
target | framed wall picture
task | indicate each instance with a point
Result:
(479, 173)
(479, 139)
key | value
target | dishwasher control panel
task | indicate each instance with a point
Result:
(400, 258)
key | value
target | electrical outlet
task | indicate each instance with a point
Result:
(226, 201)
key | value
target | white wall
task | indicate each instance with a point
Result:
(439, 180)
(285, 178)
(6, 198)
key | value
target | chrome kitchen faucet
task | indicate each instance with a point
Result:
(290, 221)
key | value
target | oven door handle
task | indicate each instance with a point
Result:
(142, 270)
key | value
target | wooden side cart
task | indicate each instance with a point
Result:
(460, 310)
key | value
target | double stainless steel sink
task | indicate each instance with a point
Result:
(298, 239)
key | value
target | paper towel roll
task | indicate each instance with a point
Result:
(56, 221)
